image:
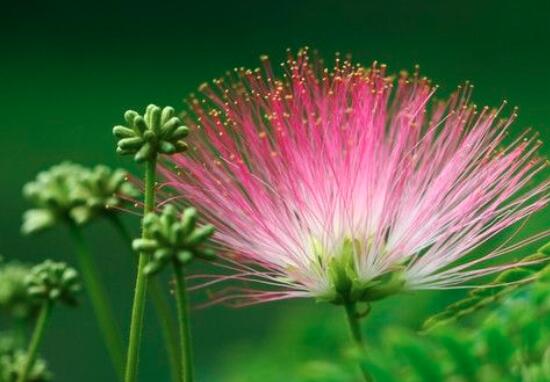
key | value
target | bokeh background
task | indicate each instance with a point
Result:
(69, 69)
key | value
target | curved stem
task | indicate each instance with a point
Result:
(100, 301)
(184, 326)
(36, 339)
(138, 308)
(357, 336)
(161, 305)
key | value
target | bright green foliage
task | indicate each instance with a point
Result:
(157, 132)
(12, 359)
(511, 344)
(174, 239)
(505, 283)
(51, 281)
(14, 297)
(69, 192)
(303, 347)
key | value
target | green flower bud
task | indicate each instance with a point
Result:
(157, 132)
(53, 195)
(347, 285)
(14, 296)
(51, 281)
(12, 359)
(101, 189)
(12, 362)
(70, 192)
(174, 238)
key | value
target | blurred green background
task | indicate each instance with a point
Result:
(69, 69)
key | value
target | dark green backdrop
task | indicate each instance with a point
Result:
(69, 69)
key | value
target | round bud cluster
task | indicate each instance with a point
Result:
(12, 363)
(52, 194)
(14, 297)
(70, 192)
(102, 188)
(51, 282)
(12, 359)
(174, 239)
(157, 132)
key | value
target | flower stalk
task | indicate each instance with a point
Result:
(161, 306)
(184, 326)
(36, 339)
(177, 239)
(73, 195)
(138, 308)
(100, 302)
(158, 131)
(357, 336)
(47, 283)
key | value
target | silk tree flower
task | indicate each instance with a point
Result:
(348, 184)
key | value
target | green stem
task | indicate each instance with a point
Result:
(36, 338)
(357, 336)
(20, 332)
(161, 305)
(138, 308)
(100, 301)
(184, 326)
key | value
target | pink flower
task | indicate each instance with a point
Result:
(350, 184)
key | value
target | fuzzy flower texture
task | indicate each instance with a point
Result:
(348, 184)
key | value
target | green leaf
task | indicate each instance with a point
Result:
(504, 283)
(420, 358)
(499, 347)
(461, 351)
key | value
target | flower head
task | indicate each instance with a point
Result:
(71, 192)
(12, 359)
(348, 184)
(157, 132)
(174, 238)
(14, 296)
(11, 364)
(101, 189)
(51, 281)
(52, 194)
